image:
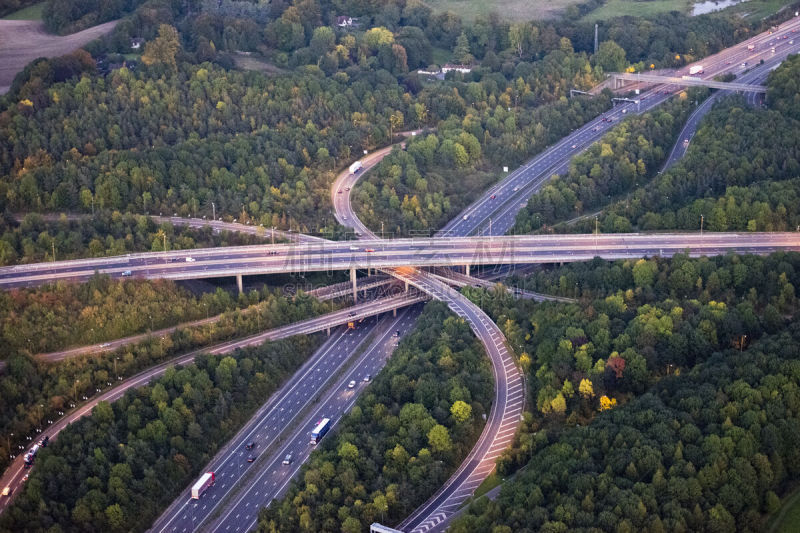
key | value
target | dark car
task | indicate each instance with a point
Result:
(250, 445)
(251, 458)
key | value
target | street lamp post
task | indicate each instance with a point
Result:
(701, 225)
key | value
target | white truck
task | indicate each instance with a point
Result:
(696, 69)
(751, 47)
(205, 481)
(355, 167)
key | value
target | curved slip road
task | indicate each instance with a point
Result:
(12, 477)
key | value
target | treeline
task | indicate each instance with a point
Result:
(76, 15)
(625, 158)
(53, 317)
(740, 173)
(709, 450)
(32, 392)
(118, 468)
(403, 438)
(35, 238)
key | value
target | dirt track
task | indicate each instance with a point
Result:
(22, 41)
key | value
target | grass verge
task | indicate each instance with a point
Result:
(33, 12)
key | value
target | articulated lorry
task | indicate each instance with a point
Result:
(696, 69)
(205, 481)
(355, 167)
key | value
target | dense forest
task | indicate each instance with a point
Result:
(35, 238)
(707, 450)
(740, 173)
(403, 438)
(32, 392)
(116, 469)
(57, 316)
(637, 322)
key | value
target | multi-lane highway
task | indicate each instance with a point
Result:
(509, 400)
(316, 324)
(12, 477)
(501, 205)
(242, 488)
(385, 254)
(757, 75)
(511, 194)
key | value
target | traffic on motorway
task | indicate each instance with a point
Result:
(279, 438)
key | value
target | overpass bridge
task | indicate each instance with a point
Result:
(690, 81)
(399, 254)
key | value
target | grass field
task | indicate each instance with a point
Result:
(507, 9)
(618, 8)
(758, 9)
(33, 12)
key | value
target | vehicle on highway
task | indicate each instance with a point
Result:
(44, 440)
(251, 458)
(344, 217)
(355, 167)
(105, 345)
(205, 481)
(624, 111)
(320, 430)
(287, 460)
(25, 478)
(352, 384)
(697, 69)
(397, 333)
(575, 145)
(354, 248)
(465, 217)
(7, 491)
(339, 191)
(493, 196)
(685, 143)
(127, 274)
(347, 188)
(369, 250)
(190, 259)
(31, 455)
(516, 188)
(367, 378)
(250, 445)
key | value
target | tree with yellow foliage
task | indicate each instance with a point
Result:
(586, 389)
(607, 403)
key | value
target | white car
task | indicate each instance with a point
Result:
(190, 259)
(7, 491)
(352, 384)
(465, 217)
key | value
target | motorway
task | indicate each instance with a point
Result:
(322, 294)
(509, 193)
(509, 401)
(757, 75)
(386, 254)
(12, 477)
(266, 479)
(512, 193)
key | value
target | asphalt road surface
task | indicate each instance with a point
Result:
(236, 496)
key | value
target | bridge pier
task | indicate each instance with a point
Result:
(466, 270)
(355, 285)
(394, 312)
(329, 331)
(239, 283)
(406, 283)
